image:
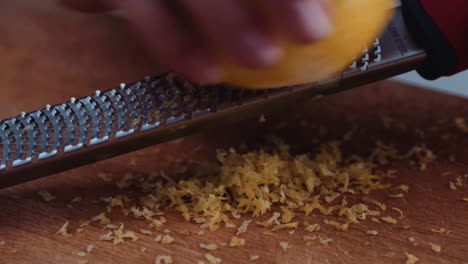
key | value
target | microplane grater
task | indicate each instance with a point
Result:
(157, 109)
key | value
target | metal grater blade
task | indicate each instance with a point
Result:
(157, 109)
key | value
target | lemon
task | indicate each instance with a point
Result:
(356, 24)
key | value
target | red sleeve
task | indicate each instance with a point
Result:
(451, 18)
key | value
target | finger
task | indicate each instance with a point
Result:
(304, 21)
(168, 41)
(88, 5)
(230, 28)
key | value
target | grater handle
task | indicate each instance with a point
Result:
(441, 28)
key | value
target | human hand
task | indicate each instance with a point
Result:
(187, 35)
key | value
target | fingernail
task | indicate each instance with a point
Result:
(256, 50)
(314, 18)
(203, 70)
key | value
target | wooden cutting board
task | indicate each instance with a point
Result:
(49, 54)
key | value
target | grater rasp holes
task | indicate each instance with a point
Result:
(371, 54)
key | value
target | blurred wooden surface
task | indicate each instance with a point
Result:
(44, 46)
(49, 54)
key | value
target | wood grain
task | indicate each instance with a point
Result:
(49, 54)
